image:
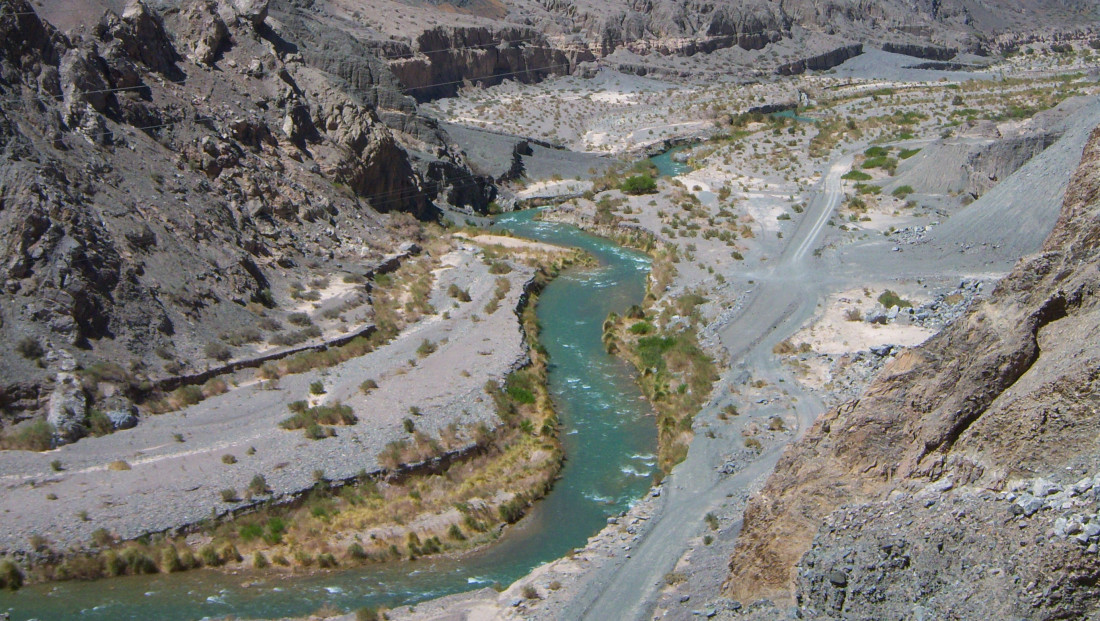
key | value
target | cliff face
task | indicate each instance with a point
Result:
(164, 178)
(528, 40)
(448, 57)
(962, 424)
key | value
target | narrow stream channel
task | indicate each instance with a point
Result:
(609, 438)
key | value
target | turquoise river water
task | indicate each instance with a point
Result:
(609, 439)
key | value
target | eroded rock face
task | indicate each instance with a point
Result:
(68, 409)
(1010, 389)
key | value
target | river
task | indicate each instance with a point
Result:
(610, 445)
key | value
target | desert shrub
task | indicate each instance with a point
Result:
(11, 578)
(426, 348)
(118, 465)
(512, 510)
(903, 191)
(530, 592)
(499, 267)
(311, 419)
(356, 552)
(35, 436)
(462, 295)
(228, 459)
(229, 495)
(299, 319)
(366, 613)
(217, 351)
(317, 387)
(30, 348)
(258, 485)
(367, 386)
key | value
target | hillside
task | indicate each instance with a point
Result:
(170, 177)
(962, 478)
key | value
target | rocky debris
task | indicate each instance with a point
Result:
(866, 559)
(911, 235)
(1007, 388)
(68, 409)
(204, 33)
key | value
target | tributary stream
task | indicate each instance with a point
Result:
(610, 446)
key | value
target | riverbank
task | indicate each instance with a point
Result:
(338, 520)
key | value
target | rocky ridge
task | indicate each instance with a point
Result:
(169, 174)
(1002, 396)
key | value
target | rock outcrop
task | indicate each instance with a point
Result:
(447, 58)
(930, 459)
(929, 52)
(821, 62)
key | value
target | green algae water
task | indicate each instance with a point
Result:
(668, 167)
(610, 443)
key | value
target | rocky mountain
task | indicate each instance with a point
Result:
(961, 483)
(434, 46)
(169, 172)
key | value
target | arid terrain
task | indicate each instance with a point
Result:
(247, 282)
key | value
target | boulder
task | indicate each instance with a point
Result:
(253, 11)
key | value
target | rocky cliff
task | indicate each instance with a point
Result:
(168, 175)
(447, 58)
(962, 482)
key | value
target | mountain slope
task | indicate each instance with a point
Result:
(169, 176)
(1003, 395)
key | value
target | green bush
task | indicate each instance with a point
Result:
(903, 191)
(317, 388)
(856, 175)
(36, 436)
(258, 486)
(905, 154)
(639, 184)
(889, 299)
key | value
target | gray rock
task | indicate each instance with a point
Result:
(68, 410)
(838, 578)
(122, 416)
(1029, 504)
(1060, 527)
(1042, 487)
(1091, 529)
(255, 11)
(1082, 486)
